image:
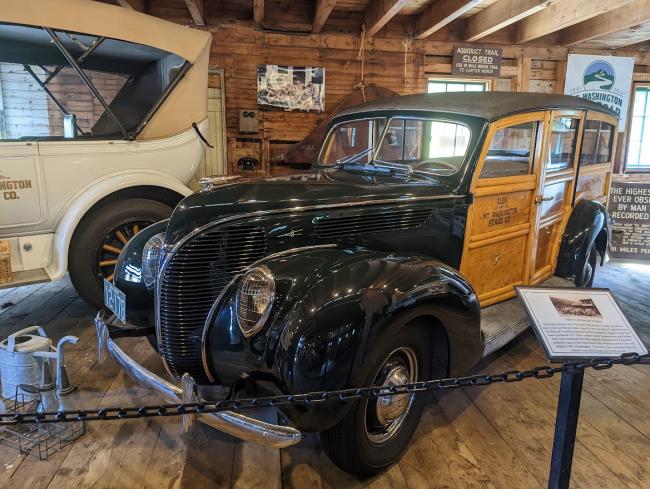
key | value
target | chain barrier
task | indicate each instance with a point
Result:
(313, 398)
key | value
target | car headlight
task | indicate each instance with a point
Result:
(151, 259)
(254, 299)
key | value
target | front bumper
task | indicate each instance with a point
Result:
(235, 424)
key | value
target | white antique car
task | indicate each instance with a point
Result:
(100, 120)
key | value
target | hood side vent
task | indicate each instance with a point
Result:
(371, 222)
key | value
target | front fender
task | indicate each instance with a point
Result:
(326, 320)
(81, 203)
(589, 224)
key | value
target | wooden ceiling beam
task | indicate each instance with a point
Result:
(197, 11)
(258, 12)
(379, 12)
(439, 14)
(322, 13)
(132, 4)
(500, 15)
(561, 15)
(631, 15)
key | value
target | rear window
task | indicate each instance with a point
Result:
(597, 143)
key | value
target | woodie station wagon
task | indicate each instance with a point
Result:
(394, 260)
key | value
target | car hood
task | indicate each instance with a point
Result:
(317, 188)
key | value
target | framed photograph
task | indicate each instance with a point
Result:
(574, 324)
(300, 88)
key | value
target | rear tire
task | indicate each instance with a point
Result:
(364, 443)
(89, 240)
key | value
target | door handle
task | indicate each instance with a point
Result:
(542, 198)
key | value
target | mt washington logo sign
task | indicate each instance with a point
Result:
(602, 79)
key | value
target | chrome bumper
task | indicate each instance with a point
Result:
(235, 424)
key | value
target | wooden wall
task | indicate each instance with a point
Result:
(392, 59)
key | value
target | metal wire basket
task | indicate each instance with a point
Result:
(38, 439)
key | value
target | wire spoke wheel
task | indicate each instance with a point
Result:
(112, 244)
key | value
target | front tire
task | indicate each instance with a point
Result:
(588, 272)
(375, 432)
(99, 237)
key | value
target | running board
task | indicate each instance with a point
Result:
(27, 277)
(503, 322)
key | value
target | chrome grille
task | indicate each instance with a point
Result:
(376, 221)
(191, 282)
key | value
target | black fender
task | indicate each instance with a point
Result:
(332, 306)
(128, 274)
(589, 225)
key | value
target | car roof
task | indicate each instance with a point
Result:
(487, 105)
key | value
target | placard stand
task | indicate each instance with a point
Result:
(574, 324)
(566, 424)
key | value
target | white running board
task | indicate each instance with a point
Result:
(27, 277)
(503, 322)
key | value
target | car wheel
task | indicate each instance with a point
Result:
(99, 239)
(588, 272)
(376, 431)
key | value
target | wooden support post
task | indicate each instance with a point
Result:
(566, 425)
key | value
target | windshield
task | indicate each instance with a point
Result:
(431, 146)
(353, 142)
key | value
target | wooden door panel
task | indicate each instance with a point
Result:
(497, 213)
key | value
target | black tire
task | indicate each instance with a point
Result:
(91, 232)
(349, 443)
(586, 276)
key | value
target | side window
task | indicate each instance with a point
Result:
(596, 143)
(427, 145)
(564, 133)
(511, 151)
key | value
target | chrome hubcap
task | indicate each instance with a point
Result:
(386, 414)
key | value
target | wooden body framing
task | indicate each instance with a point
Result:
(515, 223)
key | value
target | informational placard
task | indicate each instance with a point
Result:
(629, 205)
(579, 323)
(602, 79)
(476, 61)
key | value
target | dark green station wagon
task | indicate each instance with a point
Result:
(394, 260)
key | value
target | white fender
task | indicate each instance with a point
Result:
(82, 204)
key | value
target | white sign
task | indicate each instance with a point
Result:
(579, 323)
(602, 79)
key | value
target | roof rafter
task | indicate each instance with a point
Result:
(379, 12)
(631, 15)
(132, 4)
(500, 15)
(321, 14)
(258, 12)
(197, 11)
(560, 15)
(440, 13)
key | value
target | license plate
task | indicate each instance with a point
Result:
(115, 300)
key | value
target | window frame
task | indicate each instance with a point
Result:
(425, 118)
(535, 140)
(628, 132)
(487, 83)
(319, 159)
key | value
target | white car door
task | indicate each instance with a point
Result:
(23, 205)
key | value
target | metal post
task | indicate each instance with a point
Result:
(566, 424)
(73, 63)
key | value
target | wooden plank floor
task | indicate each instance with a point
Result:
(493, 437)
